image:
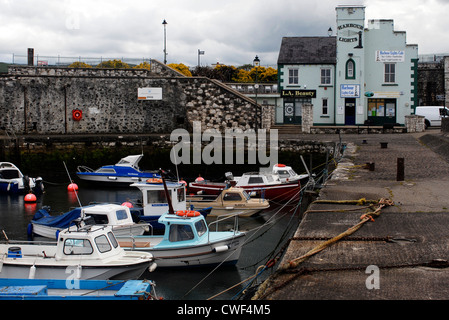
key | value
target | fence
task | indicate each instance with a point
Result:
(65, 61)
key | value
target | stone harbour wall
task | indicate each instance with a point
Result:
(37, 100)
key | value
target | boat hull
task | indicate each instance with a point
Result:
(279, 192)
(56, 289)
(224, 251)
(39, 262)
(52, 232)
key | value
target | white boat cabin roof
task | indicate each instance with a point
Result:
(92, 242)
(130, 161)
(109, 214)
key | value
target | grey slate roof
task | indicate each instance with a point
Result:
(308, 50)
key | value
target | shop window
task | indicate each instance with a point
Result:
(350, 69)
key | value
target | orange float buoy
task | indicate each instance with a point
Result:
(72, 187)
(127, 204)
(30, 197)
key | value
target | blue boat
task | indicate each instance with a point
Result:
(12, 180)
(55, 289)
(123, 173)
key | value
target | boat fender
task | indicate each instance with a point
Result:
(152, 267)
(221, 248)
(30, 229)
(79, 270)
(32, 272)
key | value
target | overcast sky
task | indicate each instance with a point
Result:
(232, 32)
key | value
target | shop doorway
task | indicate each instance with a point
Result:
(350, 111)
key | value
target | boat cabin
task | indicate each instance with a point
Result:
(112, 214)
(154, 200)
(92, 242)
(180, 228)
(257, 178)
(285, 173)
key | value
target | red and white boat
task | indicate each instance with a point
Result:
(263, 184)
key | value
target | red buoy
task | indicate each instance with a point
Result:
(127, 204)
(30, 197)
(72, 187)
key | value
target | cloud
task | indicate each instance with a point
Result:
(230, 32)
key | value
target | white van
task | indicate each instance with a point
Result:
(432, 114)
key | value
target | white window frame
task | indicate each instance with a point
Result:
(293, 79)
(389, 75)
(325, 106)
(326, 79)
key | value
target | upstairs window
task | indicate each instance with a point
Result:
(350, 69)
(293, 76)
(325, 76)
(390, 73)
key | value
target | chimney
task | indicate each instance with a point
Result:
(31, 56)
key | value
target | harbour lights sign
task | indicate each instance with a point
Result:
(349, 35)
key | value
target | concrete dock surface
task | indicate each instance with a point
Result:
(402, 253)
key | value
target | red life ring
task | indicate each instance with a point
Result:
(154, 180)
(187, 213)
(77, 114)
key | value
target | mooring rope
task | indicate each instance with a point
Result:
(264, 289)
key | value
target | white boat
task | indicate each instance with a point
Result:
(123, 173)
(114, 215)
(229, 201)
(13, 181)
(187, 241)
(87, 253)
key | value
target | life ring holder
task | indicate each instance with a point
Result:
(77, 114)
(188, 213)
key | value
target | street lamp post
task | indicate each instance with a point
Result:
(256, 85)
(165, 41)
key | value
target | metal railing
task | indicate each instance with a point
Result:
(39, 60)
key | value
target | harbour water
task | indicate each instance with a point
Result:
(267, 233)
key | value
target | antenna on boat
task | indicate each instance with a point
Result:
(167, 194)
(76, 193)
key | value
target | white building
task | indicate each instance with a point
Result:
(363, 75)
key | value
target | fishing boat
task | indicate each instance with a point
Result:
(155, 202)
(91, 252)
(229, 201)
(54, 289)
(262, 184)
(187, 241)
(13, 181)
(114, 215)
(123, 173)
